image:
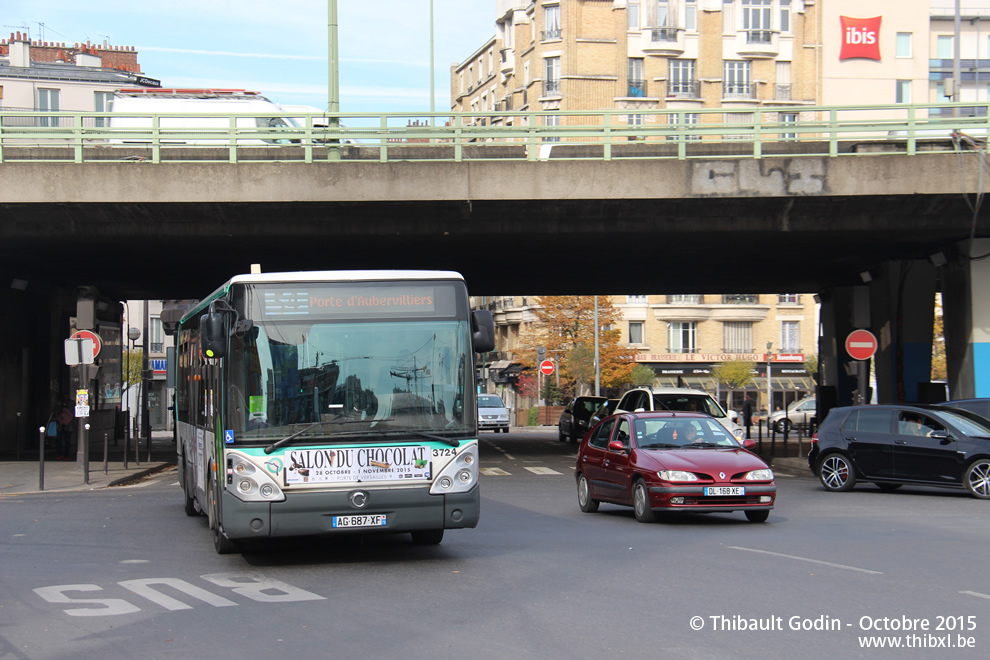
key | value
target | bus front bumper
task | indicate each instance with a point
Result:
(312, 513)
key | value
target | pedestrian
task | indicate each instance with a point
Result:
(63, 442)
(748, 411)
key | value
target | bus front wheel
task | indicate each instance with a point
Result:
(222, 544)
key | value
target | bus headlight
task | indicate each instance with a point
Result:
(459, 475)
(252, 484)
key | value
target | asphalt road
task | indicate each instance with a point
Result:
(123, 573)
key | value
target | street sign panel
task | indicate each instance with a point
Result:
(89, 334)
(546, 367)
(79, 351)
(861, 344)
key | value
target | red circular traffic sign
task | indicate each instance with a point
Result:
(546, 367)
(861, 344)
(89, 334)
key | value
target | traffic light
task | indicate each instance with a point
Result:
(541, 353)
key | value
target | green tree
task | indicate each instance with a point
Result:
(733, 375)
(641, 375)
(131, 369)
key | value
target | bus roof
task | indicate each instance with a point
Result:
(323, 276)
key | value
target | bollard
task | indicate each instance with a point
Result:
(41, 458)
(137, 445)
(106, 463)
(85, 438)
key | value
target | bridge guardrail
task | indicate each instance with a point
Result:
(753, 132)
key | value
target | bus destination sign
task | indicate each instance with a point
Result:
(348, 302)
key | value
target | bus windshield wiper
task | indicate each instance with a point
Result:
(278, 444)
(453, 442)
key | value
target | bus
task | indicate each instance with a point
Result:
(332, 402)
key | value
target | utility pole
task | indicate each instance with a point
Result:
(333, 86)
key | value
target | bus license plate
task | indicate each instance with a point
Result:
(359, 521)
(724, 490)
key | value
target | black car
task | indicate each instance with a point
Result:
(892, 445)
(603, 411)
(573, 423)
(979, 406)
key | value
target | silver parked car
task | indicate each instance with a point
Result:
(492, 413)
(798, 415)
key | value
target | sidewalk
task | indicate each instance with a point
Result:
(24, 476)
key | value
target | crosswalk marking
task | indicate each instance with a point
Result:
(542, 470)
(495, 472)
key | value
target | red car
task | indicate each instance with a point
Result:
(671, 461)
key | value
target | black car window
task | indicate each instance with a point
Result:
(634, 402)
(589, 405)
(874, 421)
(622, 435)
(912, 423)
(600, 438)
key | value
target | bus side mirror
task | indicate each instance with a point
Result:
(482, 331)
(212, 335)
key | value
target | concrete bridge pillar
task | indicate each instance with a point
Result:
(966, 316)
(902, 314)
(843, 309)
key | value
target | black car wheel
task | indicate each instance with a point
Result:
(641, 503)
(836, 473)
(758, 516)
(783, 426)
(560, 436)
(977, 479)
(587, 504)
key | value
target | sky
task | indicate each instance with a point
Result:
(279, 48)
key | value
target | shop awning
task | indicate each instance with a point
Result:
(500, 364)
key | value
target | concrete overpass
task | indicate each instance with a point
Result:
(781, 223)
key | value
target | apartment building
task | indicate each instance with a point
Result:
(683, 337)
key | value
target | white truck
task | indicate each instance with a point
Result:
(205, 117)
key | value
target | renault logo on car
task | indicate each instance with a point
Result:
(359, 499)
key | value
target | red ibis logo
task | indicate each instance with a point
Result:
(860, 38)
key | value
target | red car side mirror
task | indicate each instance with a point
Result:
(749, 443)
(616, 445)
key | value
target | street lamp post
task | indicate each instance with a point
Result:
(133, 334)
(769, 385)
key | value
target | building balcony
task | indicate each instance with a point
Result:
(782, 92)
(551, 88)
(550, 35)
(508, 60)
(667, 41)
(636, 88)
(684, 89)
(735, 90)
(758, 44)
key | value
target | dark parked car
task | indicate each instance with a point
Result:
(979, 406)
(573, 423)
(603, 411)
(892, 445)
(671, 461)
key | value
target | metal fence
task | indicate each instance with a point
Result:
(747, 132)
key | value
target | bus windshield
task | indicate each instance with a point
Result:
(349, 378)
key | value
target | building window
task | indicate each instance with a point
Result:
(637, 84)
(155, 335)
(741, 120)
(790, 336)
(684, 121)
(551, 76)
(48, 102)
(788, 119)
(632, 8)
(782, 88)
(682, 337)
(102, 102)
(740, 299)
(681, 79)
(635, 332)
(691, 298)
(903, 93)
(788, 299)
(663, 14)
(691, 14)
(785, 15)
(551, 120)
(728, 16)
(737, 79)
(944, 45)
(636, 300)
(756, 20)
(551, 23)
(737, 336)
(904, 44)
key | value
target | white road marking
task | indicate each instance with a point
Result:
(542, 470)
(810, 561)
(975, 593)
(495, 472)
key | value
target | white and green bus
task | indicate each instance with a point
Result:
(318, 403)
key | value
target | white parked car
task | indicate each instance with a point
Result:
(492, 413)
(678, 398)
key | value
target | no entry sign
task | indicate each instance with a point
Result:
(546, 367)
(861, 344)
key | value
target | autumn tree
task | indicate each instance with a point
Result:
(734, 375)
(939, 370)
(565, 327)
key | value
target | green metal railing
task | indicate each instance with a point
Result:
(29, 135)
